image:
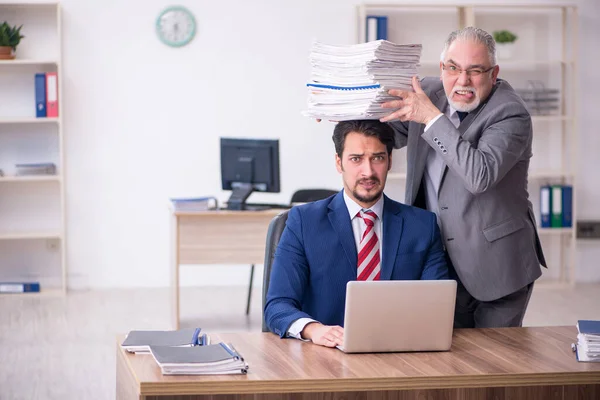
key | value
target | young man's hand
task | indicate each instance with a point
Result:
(324, 335)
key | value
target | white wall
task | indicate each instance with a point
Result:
(142, 122)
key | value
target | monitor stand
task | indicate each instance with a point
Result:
(239, 194)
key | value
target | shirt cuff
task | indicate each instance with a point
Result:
(432, 121)
(297, 327)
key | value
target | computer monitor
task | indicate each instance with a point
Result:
(248, 165)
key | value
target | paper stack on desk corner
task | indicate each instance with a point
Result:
(351, 82)
(588, 341)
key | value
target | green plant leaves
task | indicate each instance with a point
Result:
(10, 36)
(504, 36)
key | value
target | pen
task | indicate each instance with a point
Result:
(197, 337)
(205, 340)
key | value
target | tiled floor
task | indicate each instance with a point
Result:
(54, 347)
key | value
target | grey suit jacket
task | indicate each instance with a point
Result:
(487, 222)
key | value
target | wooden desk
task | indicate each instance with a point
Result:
(216, 237)
(506, 363)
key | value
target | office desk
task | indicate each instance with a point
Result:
(216, 237)
(506, 363)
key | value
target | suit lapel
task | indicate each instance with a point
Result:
(418, 158)
(392, 232)
(342, 224)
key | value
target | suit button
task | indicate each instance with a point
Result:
(445, 151)
(443, 208)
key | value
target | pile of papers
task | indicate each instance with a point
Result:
(194, 204)
(588, 341)
(351, 82)
(220, 358)
(36, 169)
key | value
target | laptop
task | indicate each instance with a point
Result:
(398, 316)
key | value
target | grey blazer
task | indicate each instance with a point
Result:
(488, 225)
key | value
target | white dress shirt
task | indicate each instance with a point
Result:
(435, 166)
(358, 229)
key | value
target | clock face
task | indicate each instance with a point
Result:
(176, 26)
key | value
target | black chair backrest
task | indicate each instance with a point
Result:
(308, 195)
(274, 232)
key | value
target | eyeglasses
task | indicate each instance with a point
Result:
(455, 71)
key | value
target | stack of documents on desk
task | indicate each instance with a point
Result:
(194, 203)
(588, 341)
(351, 82)
(140, 341)
(214, 359)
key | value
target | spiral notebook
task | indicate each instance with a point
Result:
(220, 358)
(140, 341)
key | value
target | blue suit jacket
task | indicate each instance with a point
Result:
(317, 256)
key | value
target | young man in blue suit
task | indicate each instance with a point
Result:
(358, 233)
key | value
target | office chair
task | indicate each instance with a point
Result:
(273, 234)
(300, 196)
(308, 195)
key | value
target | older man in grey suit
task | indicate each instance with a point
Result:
(468, 139)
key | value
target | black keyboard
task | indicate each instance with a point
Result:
(266, 206)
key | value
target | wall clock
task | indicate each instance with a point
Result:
(176, 26)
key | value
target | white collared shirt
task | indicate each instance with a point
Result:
(358, 229)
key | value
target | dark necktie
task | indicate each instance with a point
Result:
(461, 115)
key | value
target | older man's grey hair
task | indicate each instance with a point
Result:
(475, 34)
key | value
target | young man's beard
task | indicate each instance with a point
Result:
(369, 197)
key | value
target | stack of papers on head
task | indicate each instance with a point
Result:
(220, 358)
(351, 82)
(140, 341)
(588, 340)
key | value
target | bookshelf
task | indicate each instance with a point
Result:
(32, 207)
(545, 51)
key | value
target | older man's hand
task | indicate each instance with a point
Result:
(412, 106)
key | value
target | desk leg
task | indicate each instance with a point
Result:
(175, 272)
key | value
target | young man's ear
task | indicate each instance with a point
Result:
(338, 163)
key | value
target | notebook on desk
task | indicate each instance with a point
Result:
(397, 316)
(140, 341)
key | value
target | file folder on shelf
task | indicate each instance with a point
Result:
(567, 206)
(556, 210)
(19, 287)
(545, 206)
(376, 28)
(52, 94)
(40, 95)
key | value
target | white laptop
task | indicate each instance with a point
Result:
(396, 316)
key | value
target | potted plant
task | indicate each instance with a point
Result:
(504, 43)
(10, 37)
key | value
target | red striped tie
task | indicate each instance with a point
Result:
(369, 261)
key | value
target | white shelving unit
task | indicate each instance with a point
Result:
(546, 50)
(32, 208)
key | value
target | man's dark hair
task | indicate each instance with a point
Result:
(367, 127)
